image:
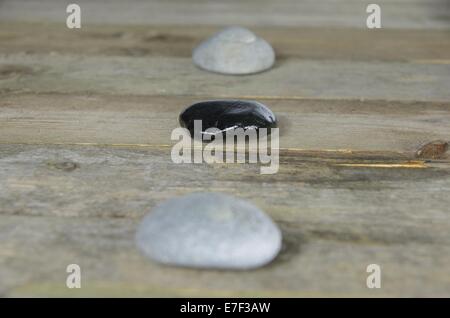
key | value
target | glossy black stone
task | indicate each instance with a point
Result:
(228, 114)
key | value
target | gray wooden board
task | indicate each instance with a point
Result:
(318, 43)
(321, 125)
(335, 219)
(293, 78)
(343, 13)
(85, 122)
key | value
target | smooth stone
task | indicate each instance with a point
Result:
(234, 50)
(209, 230)
(227, 114)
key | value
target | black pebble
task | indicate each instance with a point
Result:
(226, 114)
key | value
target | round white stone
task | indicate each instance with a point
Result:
(234, 50)
(209, 230)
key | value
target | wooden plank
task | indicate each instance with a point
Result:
(292, 78)
(406, 14)
(335, 220)
(141, 120)
(415, 46)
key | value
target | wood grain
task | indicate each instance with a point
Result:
(407, 14)
(318, 43)
(85, 123)
(292, 78)
(142, 120)
(335, 221)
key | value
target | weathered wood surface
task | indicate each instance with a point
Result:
(171, 76)
(85, 122)
(317, 125)
(335, 220)
(414, 46)
(408, 14)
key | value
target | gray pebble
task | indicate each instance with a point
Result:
(209, 230)
(234, 50)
